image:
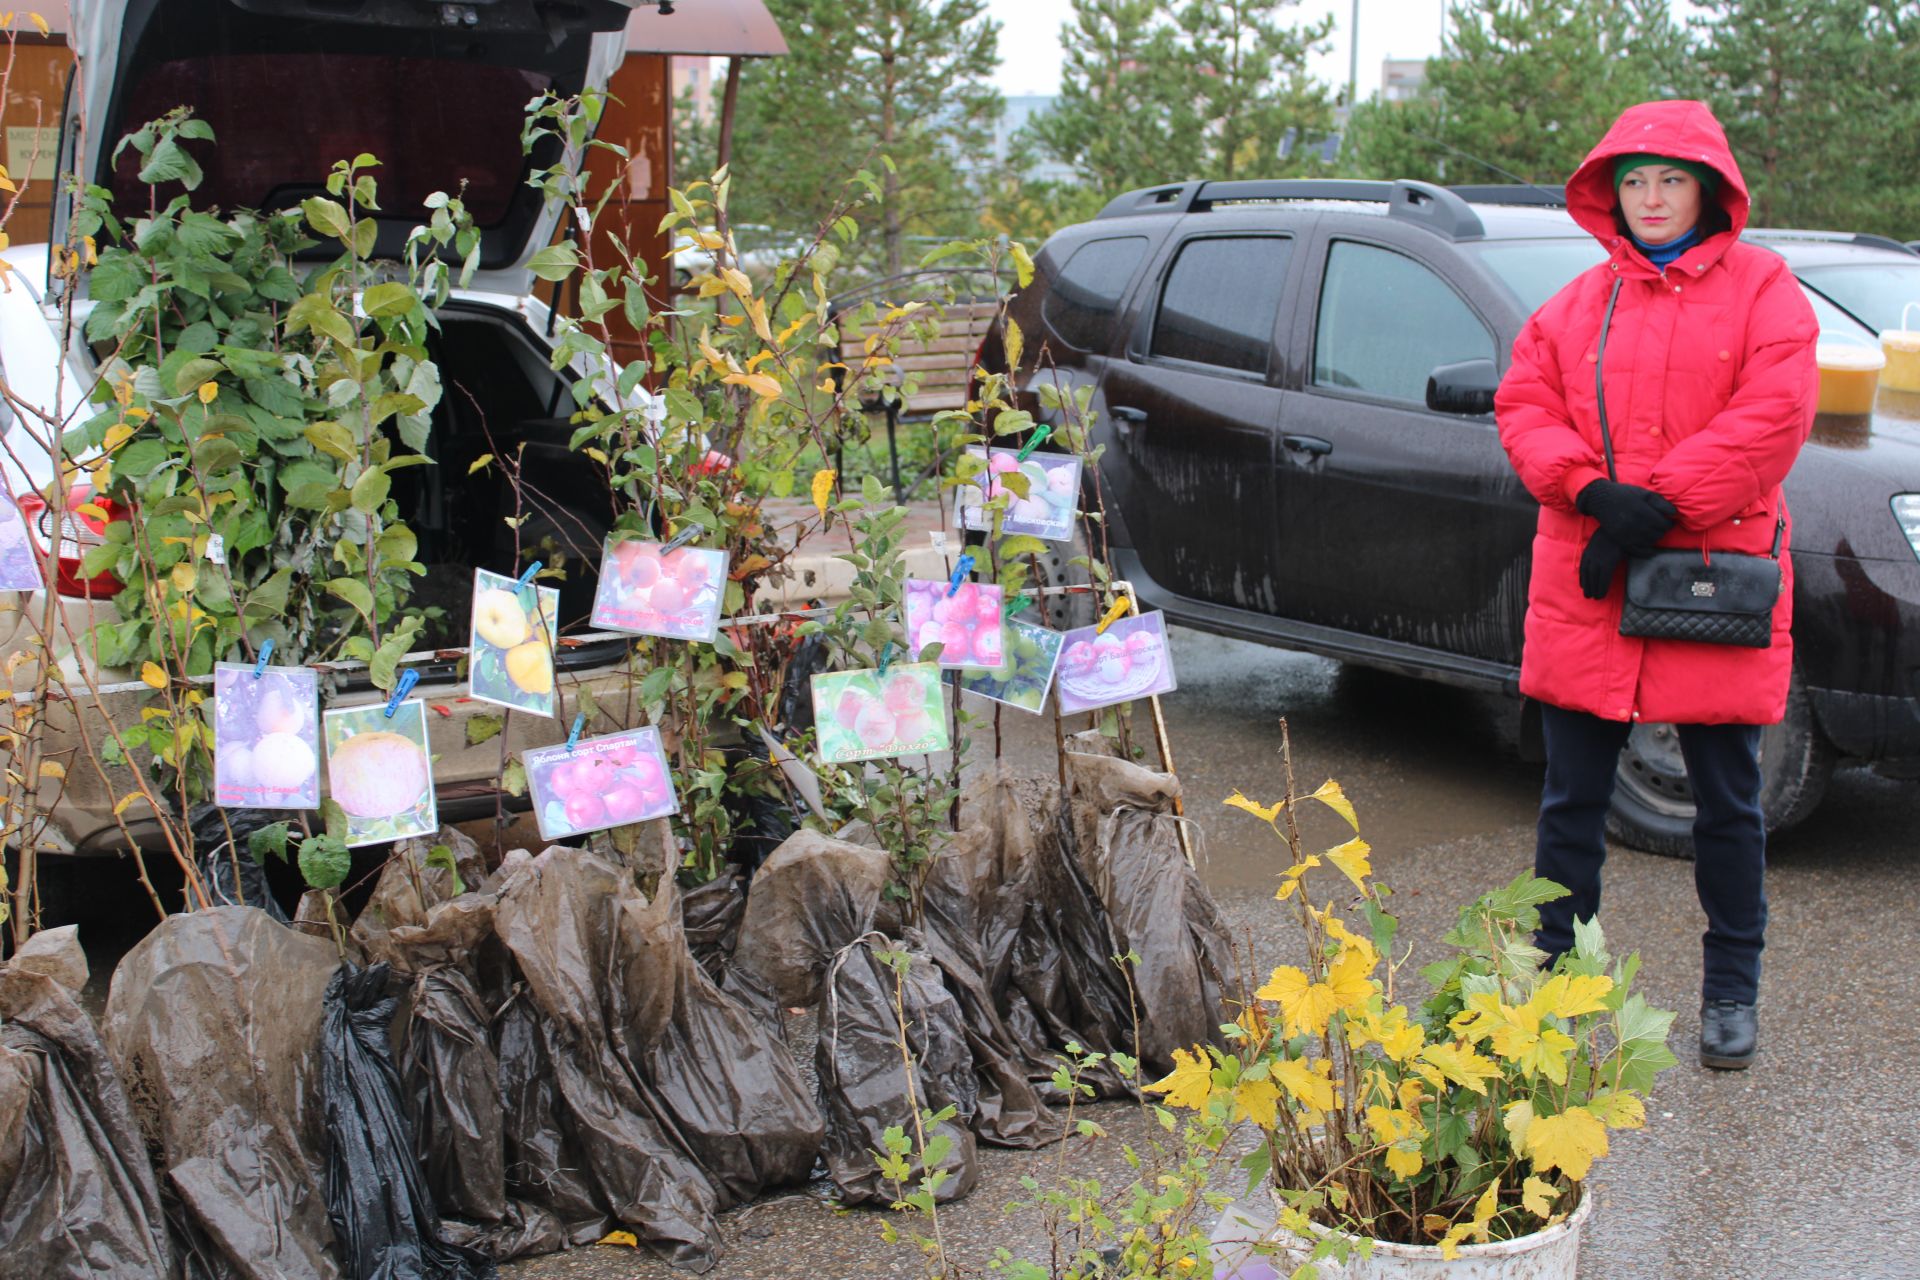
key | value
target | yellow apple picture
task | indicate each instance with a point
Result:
(514, 636)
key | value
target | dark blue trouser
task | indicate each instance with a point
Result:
(1729, 838)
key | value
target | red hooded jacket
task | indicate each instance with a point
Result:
(1711, 387)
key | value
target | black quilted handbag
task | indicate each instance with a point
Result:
(1691, 595)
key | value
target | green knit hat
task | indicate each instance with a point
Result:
(1624, 165)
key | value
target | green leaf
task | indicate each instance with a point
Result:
(270, 839)
(333, 440)
(188, 377)
(1022, 545)
(366, 233)
(441, 856)
(371, 489)
(171, 163)
(481, 728)
(555, 262)
(327, 217)
(390, 299)
(394, 402)
(324, 861)
(354, 592)
(116, 277)
(214, 454)
(269, 599)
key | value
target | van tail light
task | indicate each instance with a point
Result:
(80, 532)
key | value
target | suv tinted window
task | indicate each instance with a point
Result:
(1386, 322)
(1087, 292)
(1220, 302)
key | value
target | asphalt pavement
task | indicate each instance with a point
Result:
(1803, 1166)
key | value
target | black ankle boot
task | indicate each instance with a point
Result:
(1728, 1031)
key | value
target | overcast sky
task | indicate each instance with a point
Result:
(1030, 38)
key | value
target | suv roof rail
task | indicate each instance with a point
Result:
(1866, 239)
(1436, 208)
(1540, 195)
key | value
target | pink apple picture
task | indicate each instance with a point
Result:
(650, 591)
(1042, 505)
(964, 623)
(609, 781)
(866, 715)
(1130, 659)
(266, 737)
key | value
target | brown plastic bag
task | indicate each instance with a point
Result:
(77, 1196)
(214, 1019)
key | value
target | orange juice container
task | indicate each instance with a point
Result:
(1902, 349)
(1849, 376)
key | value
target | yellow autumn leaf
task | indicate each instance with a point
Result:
(40, 24)
(1398, 1038)
(1570, 995)
(117, 434)
(823, 489)
(1016, 344)
(1619, 1110)
(1570, 1141)
(1458, 1063)
(152, 675)
(184, 575)
(757, 312)
(1335, 799)
(1258, 1101)
(1305, 1005)
(1309, 1084)
(1264, 812)
(1483, 1210)
(1537, 1196)
(626, 1238)
(1190, 1083)
(737, 281)
(120, 805)
(759, 383)
(52, 769)
(1404, 1159)
(1349, 979)
(1390, 1124)
(209, 391)
(1352, 860)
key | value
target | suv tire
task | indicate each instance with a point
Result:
(1081, 609)
(1653, 805)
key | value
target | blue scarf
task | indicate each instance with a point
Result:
(1661, 255)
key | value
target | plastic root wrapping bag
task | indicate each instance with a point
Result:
(384, 1221)
(77, 1195)
(214, 1021)
(863, 1070)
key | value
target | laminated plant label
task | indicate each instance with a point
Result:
(649, 591)
(19, 567)
(600, 782)
(266, 737)
(1131, 659)
(381, 772)
(1032, 654)
(865, 715)
(1051, 501)
(514, 631)
(964, 623)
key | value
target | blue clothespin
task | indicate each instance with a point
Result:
(527, 577)
(682, 538)
(1034, 441)
(573, 734)
(886, 657)
(960, 572)
(408, 679)
(1016, 604)
(260, 665)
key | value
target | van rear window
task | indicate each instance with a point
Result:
(281, 120)
(1080, 305)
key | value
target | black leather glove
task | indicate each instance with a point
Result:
(1633, 517)
(1597, 564)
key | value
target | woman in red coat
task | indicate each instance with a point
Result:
(1710, 387)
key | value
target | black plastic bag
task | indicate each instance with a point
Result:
(227, 866)
(712, 913)
(384, 1221)
(77, 1195)
(863, 1080)
(453, 1096)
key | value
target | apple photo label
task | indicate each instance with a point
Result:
(266, 737)
(609, 781)
(515, 630)
(647, 590)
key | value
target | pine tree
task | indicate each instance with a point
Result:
(1526, 87)
(1821, 100)
(1210, 92)
(900, 88)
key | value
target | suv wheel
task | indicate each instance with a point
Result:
(1653, 805)
(1064, 613)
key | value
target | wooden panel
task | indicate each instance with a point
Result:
(35, 90)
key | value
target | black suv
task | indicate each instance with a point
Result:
(1294, 383)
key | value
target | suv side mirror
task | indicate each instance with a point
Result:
(1466, 387)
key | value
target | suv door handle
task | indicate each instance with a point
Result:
(1126, 418)
(1312, 446)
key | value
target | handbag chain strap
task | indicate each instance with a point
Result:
(1606, 437)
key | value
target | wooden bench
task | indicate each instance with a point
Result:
(936, 351)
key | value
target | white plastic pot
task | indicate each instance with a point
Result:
(1553, 1254)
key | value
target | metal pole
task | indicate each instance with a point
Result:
(1353, 61)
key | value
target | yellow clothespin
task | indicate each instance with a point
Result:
(1121, 608)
